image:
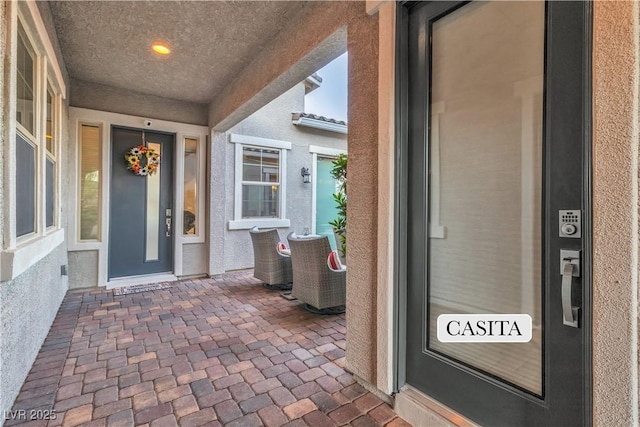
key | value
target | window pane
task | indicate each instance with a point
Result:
(25, 187)
(260, 201)
(50, 129)
(260, 165)
(251, 173)
(90, 158)
(270, 166)
(487, 68)
(24, 109)
(190, 186)
(153, 208)
(251, 156)
(50, 202)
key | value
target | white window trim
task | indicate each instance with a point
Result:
(20, 253)
(56, 130)
(30, 17)
(199, 237)
(18, 260)
(319, 151)
(239, 223)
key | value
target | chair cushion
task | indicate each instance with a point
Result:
(333, 261)
(282, 249)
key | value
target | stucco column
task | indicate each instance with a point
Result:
(4, 108)
(386, 160)
(362, 191)
(615, 213)
(217, 166)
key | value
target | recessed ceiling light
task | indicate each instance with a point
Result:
(161, 48)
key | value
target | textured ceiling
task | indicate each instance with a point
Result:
(109, 42)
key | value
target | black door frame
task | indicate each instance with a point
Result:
(401, 200)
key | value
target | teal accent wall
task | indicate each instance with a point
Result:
(326, 209)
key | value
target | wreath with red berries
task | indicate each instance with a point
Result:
(134, 157)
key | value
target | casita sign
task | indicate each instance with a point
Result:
(484, 328)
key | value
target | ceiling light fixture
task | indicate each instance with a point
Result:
(161, 48)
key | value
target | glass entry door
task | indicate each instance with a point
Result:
(496, 149)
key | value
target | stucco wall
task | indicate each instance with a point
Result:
(194, 259)
(47, 18)
(105, 98)
(273, 121)
(4, 110)
(615, 213)
(311, 40)
(386, 180)
(28, 305)
(83, 269)
(217, 165)
(362, 191)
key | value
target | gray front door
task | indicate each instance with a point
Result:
(497, 156)
(140, 229)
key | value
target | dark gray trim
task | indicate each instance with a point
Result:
(587, 214)
(400, 199)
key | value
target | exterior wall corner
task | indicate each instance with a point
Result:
(616, 36)
(362, 246)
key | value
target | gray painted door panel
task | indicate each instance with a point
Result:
(128, 255)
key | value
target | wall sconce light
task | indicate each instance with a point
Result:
(306, 176)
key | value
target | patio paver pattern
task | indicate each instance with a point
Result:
(219, 351)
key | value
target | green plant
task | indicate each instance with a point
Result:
(339, 173)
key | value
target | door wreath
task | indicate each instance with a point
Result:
(134, 156)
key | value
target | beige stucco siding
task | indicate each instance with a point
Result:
(386, 183)
(362, 191)
(615, 213)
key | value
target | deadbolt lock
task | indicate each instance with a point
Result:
(570, 223)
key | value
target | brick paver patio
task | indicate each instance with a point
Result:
(221, 351)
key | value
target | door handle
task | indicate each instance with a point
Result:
(168, 232)
(570, 268)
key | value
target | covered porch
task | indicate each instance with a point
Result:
(229, 62)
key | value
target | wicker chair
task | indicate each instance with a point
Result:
(321, 289)
(269, 266)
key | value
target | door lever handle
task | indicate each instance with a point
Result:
(570, 266)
